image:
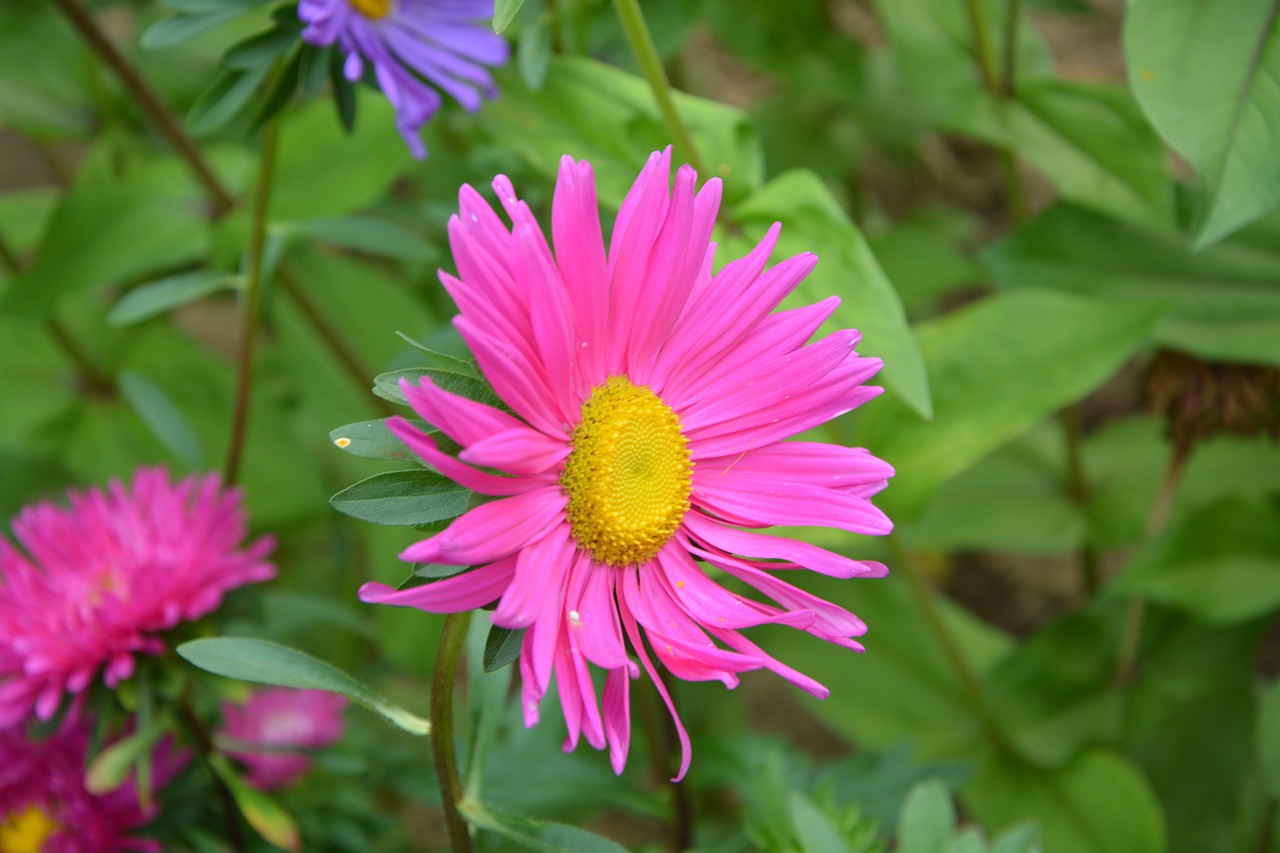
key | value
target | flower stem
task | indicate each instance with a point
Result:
(1078, 491)
(646, 54)
(982, 51)
(150, 101)
(452, 639)
(1009, 66)
(249, 306)
(659, 731)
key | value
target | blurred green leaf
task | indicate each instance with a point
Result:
(1205, 73)
(927, 820)
(369, 234)
(538, 835)
(45, 88)
(225, 97)
(110, 768)
(996, 367)
(270, 663)
(813, 221)
(1269, 737)
(814, 829)
(533, 52)
(162, 417)
(267, 817)
(184, 26)
(1222, 303)
(165, 294)
(1221, 564)
(503, 13)
(403, 498)
(593, 111)
(1099, 802)
(501, 647)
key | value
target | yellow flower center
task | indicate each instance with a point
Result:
(26, 831)
(628, 476)
(372, 9)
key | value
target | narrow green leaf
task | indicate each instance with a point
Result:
(372, 440)
(456, 380)
(268, 818)
(109, 768)
(163, 418)
(403, 498)
(501, 647)
(434, 571)
(538, 835)
(165, 294)
(533, 52)
(225, 97)
(927, 820)
(176, 29)
(269, 663)
(373, 235)
(503, 12)
(263, 48)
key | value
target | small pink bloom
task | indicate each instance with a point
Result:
(653, 405)
(102, 578)
(266, 732)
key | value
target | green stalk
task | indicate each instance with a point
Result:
(452, 638)
(1078, 491)
(249, 306)
(646, 54)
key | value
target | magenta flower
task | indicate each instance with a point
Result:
(44, 804)
(411, 43)
(101, 578)
(652, 401)
(265, 732)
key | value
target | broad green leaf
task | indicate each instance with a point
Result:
(538, 835)
(369, 234)
(996, 367)
(1022, 838)
(1269, 737)
(165, 294)
(501, 647)
(593, 111)
(109, 768)
(926, 259)
(813, 828)
(1221, 564)
(268, 818)
(403, 498)
(1205, 72)
(45, 89)
(162, 417)
(372, 440)
(1099, 802)
(927, 820)
(813, 221)
(1221, 303)
(270, 663)
(503, 13)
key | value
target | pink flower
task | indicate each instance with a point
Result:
(44, 804)
(254, 732)
(651, 401)
(100, 579)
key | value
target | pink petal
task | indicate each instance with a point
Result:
(477, 481)
(463, 420)
(633, 633)
(617, 717)
(733, 541)
(466, 591)
(520, 450)
(767, 503)
(542, 566)
(575, 228)
(492, 530)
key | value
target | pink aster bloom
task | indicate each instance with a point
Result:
(44, 804)
(102, 577)
(652, 405)
(265, 732)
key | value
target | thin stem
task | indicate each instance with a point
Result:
(659, 731)
(1009, 65)
(651, 64)
(1002, 88)
(249, 307)
(1131, 634)
(359, 373)
(150, 101)
(1078, 491)
(1267, 833)
(9, 259)
(452, 639)
(982, 45)
(205, 748)
(95, 380)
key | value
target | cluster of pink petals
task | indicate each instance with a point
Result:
(265, 732)
(545, 330)
(48, 775)
(100, 578)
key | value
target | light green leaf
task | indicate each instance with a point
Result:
(268, 818)
(1205, 72)
(1021, 838)
(167, 293)
(927, 820)
(162, 417)
(538, 835)
(813, 828)
(175, 29)
(109, 768)
(503, 13)
(369, 234)
(1269, 737)
(270, 663)
(403, 498)
(813, 221)
(372, 440)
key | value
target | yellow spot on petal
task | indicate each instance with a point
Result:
(342, 442)
(679, 584)
(374, 10)
(26, 831)
(628, 475)
(1146, 74)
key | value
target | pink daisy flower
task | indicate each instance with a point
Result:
(265, 732)
(102, 577)
(652, 401)
(44, 804)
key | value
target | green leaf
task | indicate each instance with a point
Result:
(224, 98)
(1221, 303)
(996, 367)
(454, 376)
(372, 440)
(403, 498)
(1269, 737)
(370, 234)
(538, 835)
(263, 48)
(1205, 72)
(269, 663)
(813, 221)
(1021, 838)
(533, 52)
(501, 647)
(176, 29)
(598, 113)
(162, 417)
(109, 769)
(268, 818)
(927, 820)
(165, 294)
(813, 828)
(1221, 564)
(503, 13)
(1099, 803)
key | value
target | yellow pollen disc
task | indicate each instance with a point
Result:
(628, 475)
(25, 831)
(372, 9)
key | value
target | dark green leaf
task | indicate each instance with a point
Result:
(501, 647)
(281, 91)
(344, 93)
(403, 498)
(270, 663)
(538, 835)
(165, 294)
(262, 49)
(448, 377)
(163, 418)
(433, 571)
(225, 97)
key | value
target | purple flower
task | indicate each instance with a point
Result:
(411, 43)
(259, 732)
